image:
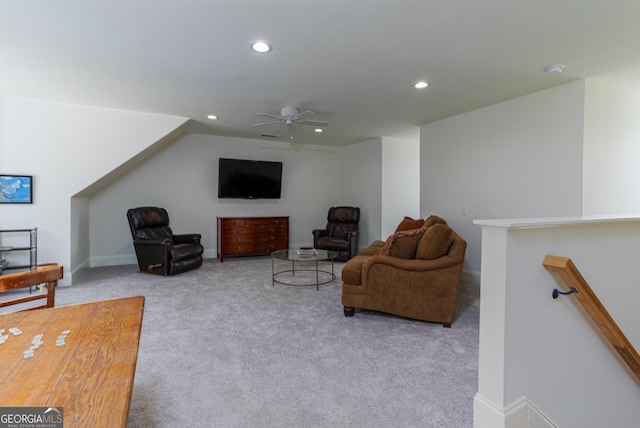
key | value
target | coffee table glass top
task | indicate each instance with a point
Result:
(295, 276)
(293, 255)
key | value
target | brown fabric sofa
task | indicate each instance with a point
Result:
(414, 274)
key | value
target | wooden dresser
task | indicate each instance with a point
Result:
(251, 236)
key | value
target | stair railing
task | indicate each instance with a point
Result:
(578, 286)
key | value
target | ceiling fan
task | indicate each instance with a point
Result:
(290, 116)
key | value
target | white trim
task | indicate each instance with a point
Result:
(522, 413)
(486, 414)
(518, 223)
(128, 259)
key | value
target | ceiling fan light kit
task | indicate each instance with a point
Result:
(554, 69)
(290, 116)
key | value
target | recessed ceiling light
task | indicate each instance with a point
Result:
(554, 69)
(212, 117)
(421, 84)
(260, 46)
(318, 130)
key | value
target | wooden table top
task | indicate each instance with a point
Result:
(90, 376)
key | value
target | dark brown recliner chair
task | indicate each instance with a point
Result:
(341, 232)
(159, 251)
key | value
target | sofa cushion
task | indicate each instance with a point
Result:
(332, 243)
(352, 270)
(373, 249)
(403, 244)
(409, 223)
(185, 251)
(340, 230)
(156, 233)
(434, 219)
(435, 242)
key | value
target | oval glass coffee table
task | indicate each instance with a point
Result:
(293, 256)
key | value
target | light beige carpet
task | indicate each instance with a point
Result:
(221, 347)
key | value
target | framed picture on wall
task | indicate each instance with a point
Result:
(16, 189)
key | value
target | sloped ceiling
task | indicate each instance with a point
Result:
(351, 62)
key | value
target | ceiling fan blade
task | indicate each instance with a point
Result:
(267, 123)
(304, 114)
(270, 115)
(313, 122)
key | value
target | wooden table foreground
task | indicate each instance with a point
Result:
(90, 375)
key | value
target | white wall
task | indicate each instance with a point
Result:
(66, 147)
(183, 178)
(611, 150)
(400, 182)
(361, 168)
(519, 158)
(90, 164)
(80, 238)
(537, 352)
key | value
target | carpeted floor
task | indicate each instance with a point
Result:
(222, 347)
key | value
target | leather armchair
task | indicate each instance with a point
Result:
(341, 232)
(158, 250)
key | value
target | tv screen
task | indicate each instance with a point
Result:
(249, 179)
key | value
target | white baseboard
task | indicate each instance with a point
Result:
(522, 413)
(68, 276)
(210, 254)
(130, 259)
(126, 259)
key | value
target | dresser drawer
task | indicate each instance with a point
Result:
(238, 247)
(227, 223)
(279, 221)
(257, 221)
(237, 239)
(251, 236)
(279, 230)
(239, 230)
(271, 246)
(270, 237)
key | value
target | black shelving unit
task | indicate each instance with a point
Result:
(7, 239)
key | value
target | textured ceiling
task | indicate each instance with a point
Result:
(352, 62)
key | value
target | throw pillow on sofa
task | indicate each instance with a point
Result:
(409, 223)
(434, 219)
(435, 242)
(403, 244)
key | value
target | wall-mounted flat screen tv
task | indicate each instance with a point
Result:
(249, 179)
